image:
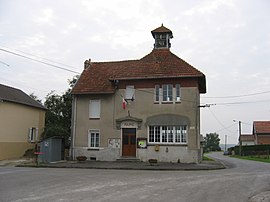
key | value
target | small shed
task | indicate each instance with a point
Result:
(52, 149)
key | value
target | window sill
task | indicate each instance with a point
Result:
(94, 118)
(166, 144)
(167, 102)
(93, 149)
(177, 102)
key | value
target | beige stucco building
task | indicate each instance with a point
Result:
(21, 122)
(141, 109)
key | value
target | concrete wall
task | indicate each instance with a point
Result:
(15, 121)
(103, 154)
(169, 154)
(142, 108)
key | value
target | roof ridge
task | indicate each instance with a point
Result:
(116, 61)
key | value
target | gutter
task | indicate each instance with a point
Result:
(155, 77)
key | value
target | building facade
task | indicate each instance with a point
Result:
(142, 109)
(22, 121)
(261, 132)
(247, 139)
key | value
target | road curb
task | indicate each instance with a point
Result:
(131, 166)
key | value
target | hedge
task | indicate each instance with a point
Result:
(253, 150)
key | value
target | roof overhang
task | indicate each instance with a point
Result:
(201, 79)
(92, 93)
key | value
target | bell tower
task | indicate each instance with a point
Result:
(162, 36)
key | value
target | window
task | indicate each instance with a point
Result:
(93, 138)
(168, 134)
(33, 134)
(94, 109)
(177, 92)
(180, 134)
(156, 93)
(130, 93)
(167, 93)
(164, 134)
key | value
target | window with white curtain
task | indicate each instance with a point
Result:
(94, 109)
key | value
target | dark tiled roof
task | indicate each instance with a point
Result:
(160, 63)
(10, 94)
(261, 126)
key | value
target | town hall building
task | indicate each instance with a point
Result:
(139, 109)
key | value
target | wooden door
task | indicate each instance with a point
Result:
(129, 142)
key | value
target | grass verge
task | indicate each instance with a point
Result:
(206, 158)
(253, 158)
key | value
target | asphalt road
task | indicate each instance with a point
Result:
(240, 182)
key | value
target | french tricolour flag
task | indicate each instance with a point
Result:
(124, 103)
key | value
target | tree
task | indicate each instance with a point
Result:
(211, 142)
(33, 96)
(58, 115)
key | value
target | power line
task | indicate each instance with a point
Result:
(238, 96)
(46, 63)
(237, 103)
(22, 84)
(4, 63)
(49, 60)
(224, 127)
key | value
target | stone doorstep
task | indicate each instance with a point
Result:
(128, 159)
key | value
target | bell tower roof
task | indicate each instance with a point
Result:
(162, 36)
(162, 29)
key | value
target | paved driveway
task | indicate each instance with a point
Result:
(241, 181)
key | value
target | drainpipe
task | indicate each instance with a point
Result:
(74, 120)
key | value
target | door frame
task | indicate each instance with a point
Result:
(122, 134)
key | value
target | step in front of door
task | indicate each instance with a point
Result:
(128, 159)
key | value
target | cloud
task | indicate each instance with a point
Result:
(209, 7)
(46, 16)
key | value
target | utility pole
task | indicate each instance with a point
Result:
(225, 142)
(240, 141)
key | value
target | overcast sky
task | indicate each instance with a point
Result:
(229, 41)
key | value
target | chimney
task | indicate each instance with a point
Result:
(87, 64)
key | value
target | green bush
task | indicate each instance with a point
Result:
(29, 153)
(250, 150)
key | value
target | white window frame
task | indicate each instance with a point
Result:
(161, 134)
(33, 134)
(95, 132)
(172, 93)
(94, 109)
(157, 94)
(177, 93)
(165, 88)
